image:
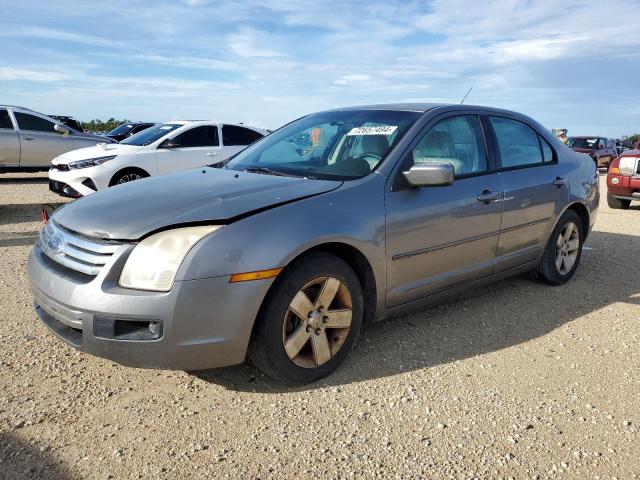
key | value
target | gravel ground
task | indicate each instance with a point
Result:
(515, 380)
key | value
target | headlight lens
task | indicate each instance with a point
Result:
(154, 262)
(90, 162)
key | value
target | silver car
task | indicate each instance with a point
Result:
(338, 218)
(29, 140)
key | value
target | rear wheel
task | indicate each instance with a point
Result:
(309, 321)
(563, 251)
(617, 203)
(127, 175)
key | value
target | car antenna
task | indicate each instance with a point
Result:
(465, 97)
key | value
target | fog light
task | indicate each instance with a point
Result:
(155, 328)
(615, 180)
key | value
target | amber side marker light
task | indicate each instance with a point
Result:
(259, 275)
(614, 170)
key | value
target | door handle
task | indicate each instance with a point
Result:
(560, 182)
(28, 139)
(487, 196)
(212, 154)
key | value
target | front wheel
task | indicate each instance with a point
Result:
(617, 203)
(563, 251)
(309, 321)
(128, 175)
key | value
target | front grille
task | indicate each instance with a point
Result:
(87, 256)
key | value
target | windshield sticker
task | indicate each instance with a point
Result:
(381, 130)
(166, 127)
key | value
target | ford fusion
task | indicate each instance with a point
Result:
(339, 218)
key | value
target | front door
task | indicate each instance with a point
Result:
(193, 148)
(439, 237)
(39, 142)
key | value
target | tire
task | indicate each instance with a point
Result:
(277, 323)
(548, 269)
(128, 175)
(617, 203)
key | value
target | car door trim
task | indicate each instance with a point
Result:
(442, 246)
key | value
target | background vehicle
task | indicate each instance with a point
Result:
(68, 121)
(338, 218)
(601, 149)
(161, 149)
(623, 180)
(125, 130)
(29, 140)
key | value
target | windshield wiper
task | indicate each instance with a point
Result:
(268, 171)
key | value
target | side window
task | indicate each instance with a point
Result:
(517, 142)
(5, 120)
(547, 152)
(232, 135)
(204, 136)
(31, 122)
(455, 140)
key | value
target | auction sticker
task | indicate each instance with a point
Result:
(380, 130)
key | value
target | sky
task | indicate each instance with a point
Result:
(569, 64)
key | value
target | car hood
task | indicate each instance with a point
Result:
(132, 210)
(100, 150)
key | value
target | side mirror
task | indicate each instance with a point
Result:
(169, 143)
(61, 129)
(430, 175)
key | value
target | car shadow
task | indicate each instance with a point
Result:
(21, 460)
(507, 313)
(44, 179)
(15, 213)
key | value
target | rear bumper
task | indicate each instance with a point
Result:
(205, 323)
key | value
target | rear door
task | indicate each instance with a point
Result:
(9, 142)
(535, 190)
(235, 138)
(39, 142)
(439, 237)
(192, 148)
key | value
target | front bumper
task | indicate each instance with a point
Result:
(206, 323)
(71, 183)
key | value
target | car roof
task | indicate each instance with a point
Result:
(425, 107)
(587, 136)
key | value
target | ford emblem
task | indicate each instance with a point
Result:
(55, 243)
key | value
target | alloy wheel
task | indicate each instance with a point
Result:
(129, 177)
(567, 247)
(317, 322)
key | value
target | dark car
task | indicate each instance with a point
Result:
(69, 122)
(125, 130)
(601, 149)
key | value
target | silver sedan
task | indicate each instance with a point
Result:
(339, 218)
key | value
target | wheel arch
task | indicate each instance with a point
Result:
(353, 257)
(583, 213)
(123, 170)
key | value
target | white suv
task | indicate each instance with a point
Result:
(164, 148)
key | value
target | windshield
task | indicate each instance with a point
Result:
(576, 142)
(121, 129)
(151, 134)
(341, 145)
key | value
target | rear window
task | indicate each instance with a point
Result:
(232, 135)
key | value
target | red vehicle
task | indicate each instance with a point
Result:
(623, 179)
(601, 149)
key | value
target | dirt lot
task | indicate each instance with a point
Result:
(516, 380)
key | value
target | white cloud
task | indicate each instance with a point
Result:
(10, 73)
(351, 79)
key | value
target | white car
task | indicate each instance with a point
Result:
(164, 148)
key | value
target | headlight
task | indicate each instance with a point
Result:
(91, 162)
(154, 262)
